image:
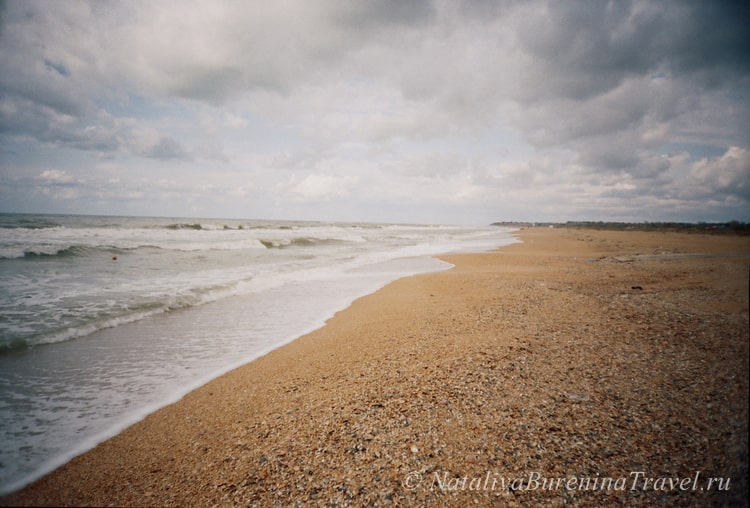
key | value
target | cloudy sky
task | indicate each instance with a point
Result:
(383, 110)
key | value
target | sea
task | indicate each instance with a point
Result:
(104, 320)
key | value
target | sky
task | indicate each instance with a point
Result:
(419, 111)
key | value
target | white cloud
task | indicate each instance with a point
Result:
(55, 176)
(234, 121)
(320, 187)
(728, 174)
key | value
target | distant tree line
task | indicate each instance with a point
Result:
(734, 226)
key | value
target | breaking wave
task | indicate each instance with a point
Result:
(302, 241)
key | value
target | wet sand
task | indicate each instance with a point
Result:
(582, 367)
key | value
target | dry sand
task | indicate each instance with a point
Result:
(590, 359)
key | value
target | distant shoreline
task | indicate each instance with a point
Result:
(731, 227)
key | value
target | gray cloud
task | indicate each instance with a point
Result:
(586, 48)
(374, 16)
(166, 148)
(530, 108)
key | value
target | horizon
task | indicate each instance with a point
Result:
(494, 223)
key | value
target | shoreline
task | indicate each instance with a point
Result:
(539, 357)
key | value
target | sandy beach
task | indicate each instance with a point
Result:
(579, 367)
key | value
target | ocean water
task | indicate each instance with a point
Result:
(105, 319)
